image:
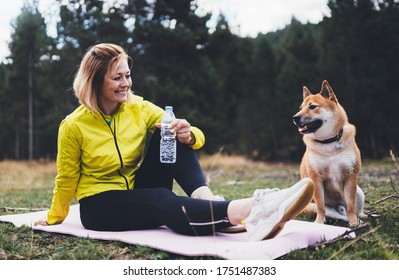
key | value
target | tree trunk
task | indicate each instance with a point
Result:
(30, 105)
(17, 152)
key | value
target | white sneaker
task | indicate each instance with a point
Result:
(273, 208)
(218, 197)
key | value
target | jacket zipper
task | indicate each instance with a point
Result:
(117, 149)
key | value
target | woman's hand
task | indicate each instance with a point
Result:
(40, 223)
(182, 129)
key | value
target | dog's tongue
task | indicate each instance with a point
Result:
(303, 128)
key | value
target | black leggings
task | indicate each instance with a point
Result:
(152, 203)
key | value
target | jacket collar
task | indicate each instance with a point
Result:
(118, 111)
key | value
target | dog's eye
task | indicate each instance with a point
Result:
(300, 107)
(311, 107)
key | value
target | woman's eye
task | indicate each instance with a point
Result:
(311, 106)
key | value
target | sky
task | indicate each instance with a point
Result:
(245, 17)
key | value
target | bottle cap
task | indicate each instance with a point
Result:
(168, 108)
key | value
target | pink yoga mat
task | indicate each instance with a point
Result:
(295, 235)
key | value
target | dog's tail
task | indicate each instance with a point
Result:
(339, 212)
(331, 212)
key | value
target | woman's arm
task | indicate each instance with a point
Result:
(68, 174)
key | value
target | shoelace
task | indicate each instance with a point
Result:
(263, 192)
(263, 197)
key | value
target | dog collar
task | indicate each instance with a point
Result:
(333, 139)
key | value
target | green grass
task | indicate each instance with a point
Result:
(30, 186)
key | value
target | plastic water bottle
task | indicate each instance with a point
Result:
(168, 139)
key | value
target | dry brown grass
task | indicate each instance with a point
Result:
(26, 175)
(233, 162)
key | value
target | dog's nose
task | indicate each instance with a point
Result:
(296, 119)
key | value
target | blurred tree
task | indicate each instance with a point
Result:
(359, 40)
(297, 61)
(168, 50)
(261, 111)
(168, 41)
(5, 124)
(221, 104)
(28, 48)
(387, 66)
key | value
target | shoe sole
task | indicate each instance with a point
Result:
(293, 210)
(234, 229)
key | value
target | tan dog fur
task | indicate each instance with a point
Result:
(333, 166)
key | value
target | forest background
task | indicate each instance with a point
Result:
(241, 91)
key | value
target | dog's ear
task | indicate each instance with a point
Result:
(327, 92)
(306, 92)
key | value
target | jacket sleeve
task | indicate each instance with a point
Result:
(68, 172)
(199, 138)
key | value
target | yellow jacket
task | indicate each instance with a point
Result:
(94, 156)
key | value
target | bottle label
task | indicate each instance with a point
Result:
(168, 150)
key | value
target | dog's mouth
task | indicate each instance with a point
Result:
(306, 128)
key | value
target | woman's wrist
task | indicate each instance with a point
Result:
(193, 139)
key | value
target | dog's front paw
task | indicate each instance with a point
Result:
(320, 219)
(353, 224)
(353, 221)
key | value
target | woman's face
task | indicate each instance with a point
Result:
(115, 88)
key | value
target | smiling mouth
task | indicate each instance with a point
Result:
(306, 128)
(121, 91)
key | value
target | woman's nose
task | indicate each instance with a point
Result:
(125, 82)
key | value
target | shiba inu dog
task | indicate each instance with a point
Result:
(332, 159)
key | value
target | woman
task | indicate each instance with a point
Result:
(100, 151)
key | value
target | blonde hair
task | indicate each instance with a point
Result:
(95, 65)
